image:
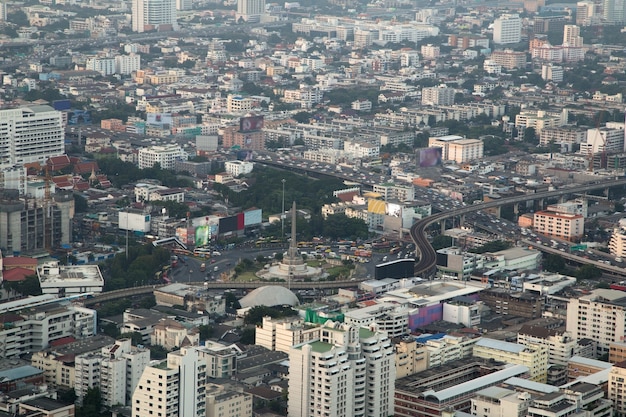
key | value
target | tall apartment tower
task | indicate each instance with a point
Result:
(150, 15)
(571, 36)
(30, 134)
(175, 387)
(250, 10)
(614, 11)
(585, 12)
(507, 29)
(347, 372)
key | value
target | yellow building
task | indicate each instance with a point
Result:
(410, 358)
(617, 388)
(534, 357)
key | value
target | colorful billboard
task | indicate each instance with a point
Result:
(393, 210)
(203, 235)
(430, 157)
(252, 217)
(244, 155)
(251, 123)
(159, 119)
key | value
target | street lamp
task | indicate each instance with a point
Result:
(282, 214)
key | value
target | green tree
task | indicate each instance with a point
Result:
(493, 246)
(248, 336)
(206, 331)
(302, 117)
(554, 263)
(530, 136)
(441, 241)
(92, 403)
(30, 286)
(588, 272)
(135, 337)
(67, 396)
(231, 302)
(158, 352)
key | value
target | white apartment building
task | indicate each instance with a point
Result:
(430, 51)
(534, 357)
(561, 345)
(538, 120)
(551, 72)
(127, 64)
(598, 316)
(391, 191)
(617, 389)
(30, 134)
(447, 349)
(441, 95)
(164, 155)
(389, 318)
(152, 192)
(361, 105)
(346, 372)
(239, 104)
(617, 243)
(361, 149)
(281, 334)
(172, 388)
(586, 13)
(225, 403)
(250, 10)
(172, 334)
(115, 370)
(603, 139)
(562, 135)
(153, 15)
(105, 66)
(237, 168)
(465, 150)
(571, 36)
(37, 321)
(507, 29)
(411, 358)
(566, 226)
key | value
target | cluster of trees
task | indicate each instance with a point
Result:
(494, 246)
(122, 173)
(255, 315)
(556, 263)
(138, 269)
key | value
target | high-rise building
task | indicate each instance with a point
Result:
(507, 29)
(165, 156)
(150, 15)
(127, 64)
(30, 134)
(614, 11)
(115, 370)
(571, 36)
(346, 372)
(250, 10)
(598, 316)
(585, 13)
(171, 388)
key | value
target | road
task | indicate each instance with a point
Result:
(427, 256)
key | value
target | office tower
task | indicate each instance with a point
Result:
(347, 372)
(507, 29)
(250, 10)
(614, 11)
(571, 36)
(30, 134)
(153, 15)
(184, 5)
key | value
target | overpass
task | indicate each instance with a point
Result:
(427, 256)
(229, 285)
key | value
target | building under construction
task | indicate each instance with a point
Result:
(30, 225)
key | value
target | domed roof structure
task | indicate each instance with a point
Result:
(269, 295)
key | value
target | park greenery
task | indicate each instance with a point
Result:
(138, 269)
(493, 246)
(255, 315)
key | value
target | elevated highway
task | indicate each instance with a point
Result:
(147, 289)
(427, 256)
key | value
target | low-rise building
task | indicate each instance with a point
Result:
(534, 357)
(67, 280)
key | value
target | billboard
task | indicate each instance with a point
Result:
(186, 235)
(252, 217)
(202, 236)
(160, 119)
(228, 224)
(393, 210)
(251, 123)
(430, 157)
(376, 206)
(402, 268)
(61, 105)
(244, 155)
